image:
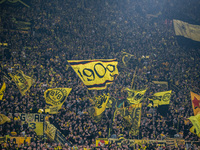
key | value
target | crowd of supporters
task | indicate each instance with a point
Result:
(89, 29)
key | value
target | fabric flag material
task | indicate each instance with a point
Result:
(196, 123)
(195, 98)
(100, 106)
(187, 30)
(102, 142)
(54, 134)
(131, 117)
(60, 138)
(135, 96)
(2, 90)
(193, 130)
(22, 81)
(4, 119)
(50, 130)
(135, 111)
(56, 97)
(52, 109)
(111, 102)
(96, 74)
(34, 120)
(161, 98)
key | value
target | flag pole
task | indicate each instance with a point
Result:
(133, 77)
(110, 125)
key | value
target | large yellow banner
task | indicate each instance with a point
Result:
(97, 73)
(161, 98)
(196, 123)
(22, 81)
(34, 120)
(3, 88)
(195, 98)
(187, 30)
(135, 96)
(57, 96)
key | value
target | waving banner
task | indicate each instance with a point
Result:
(102, 142)
(22, 81)
(34, 120)
(161, 98)
(97, 73)
(2, 90)
(54, 134)
(135, 96)
(131, 117)
(135, 113)
(196, 123)
(195, 98)
(187, 30)
(50, 130)
(100, 105)
(56, 97)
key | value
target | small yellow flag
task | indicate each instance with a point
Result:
(4, 119)
(196, 124)
(2, 90)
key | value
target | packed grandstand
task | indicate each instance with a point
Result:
(91, 74)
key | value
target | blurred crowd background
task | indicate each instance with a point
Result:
(61, 30)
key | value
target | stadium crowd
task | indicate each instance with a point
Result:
(88, 29)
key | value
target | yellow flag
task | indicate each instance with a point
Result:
(161, 98)
(195, 98)
(196, 123)
(97, 73)
(3, 88)
(102, 142)
(34, 120)
(187, 30)
(135, 96)
(4, 119)
(22, 81)
(50, 130)
(56, 96)
(135, 112)
(100, 105)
